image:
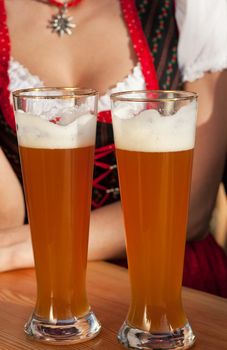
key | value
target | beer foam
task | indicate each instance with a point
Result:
(149, 131)
(39, 132)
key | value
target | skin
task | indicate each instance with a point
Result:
(100, 63)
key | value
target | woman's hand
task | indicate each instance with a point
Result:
(106, 240)
(15, 248)
(15, 243)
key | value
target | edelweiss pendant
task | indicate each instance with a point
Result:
(61, 23)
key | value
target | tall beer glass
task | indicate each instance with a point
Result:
(56, 130)
(154, 134)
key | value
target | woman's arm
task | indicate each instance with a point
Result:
(106, 240)
(210, 150)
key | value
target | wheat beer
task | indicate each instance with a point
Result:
(58, 191)
(154, 157)
(155, 191)
(56, 138)
(57, 179)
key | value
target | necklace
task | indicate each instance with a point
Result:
(61, 23)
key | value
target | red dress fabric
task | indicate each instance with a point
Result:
(205, 265)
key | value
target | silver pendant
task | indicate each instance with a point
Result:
(61, 23)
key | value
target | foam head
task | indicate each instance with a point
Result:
(58, 133)
(149, 131)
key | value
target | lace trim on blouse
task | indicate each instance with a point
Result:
(192, 73)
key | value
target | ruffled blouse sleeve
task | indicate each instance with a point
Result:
(202, 45)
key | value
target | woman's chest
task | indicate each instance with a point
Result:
(98, 54)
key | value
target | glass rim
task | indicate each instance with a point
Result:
(181, 95)
(76, 92)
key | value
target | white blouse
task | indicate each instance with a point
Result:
(202, 47)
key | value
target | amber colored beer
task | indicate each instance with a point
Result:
(58, 194)
(155, 194)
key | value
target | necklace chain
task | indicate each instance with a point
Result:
(65, 3)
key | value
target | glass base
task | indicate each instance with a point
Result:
(133, 338)
(71, 331)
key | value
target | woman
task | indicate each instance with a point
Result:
(114, 40)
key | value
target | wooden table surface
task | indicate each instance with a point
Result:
(109, 295)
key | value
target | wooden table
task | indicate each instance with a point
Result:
(109, 295)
